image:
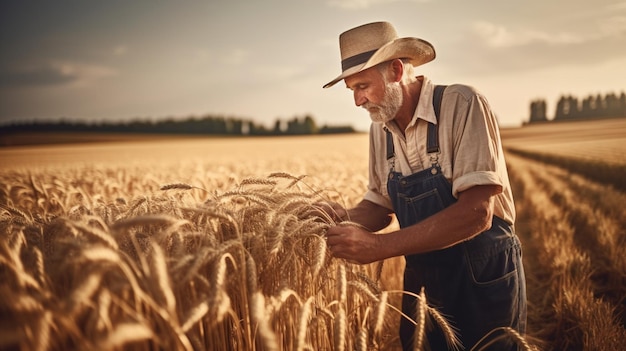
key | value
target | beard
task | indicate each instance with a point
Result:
(389, 106)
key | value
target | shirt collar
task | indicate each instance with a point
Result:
(424, 109)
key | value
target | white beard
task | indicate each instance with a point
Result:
(389, 106)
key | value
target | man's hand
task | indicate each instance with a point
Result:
(354, 243)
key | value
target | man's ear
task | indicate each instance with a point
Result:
(397, 69)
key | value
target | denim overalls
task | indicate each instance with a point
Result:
(478, 284)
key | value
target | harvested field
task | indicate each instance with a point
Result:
(569, 182)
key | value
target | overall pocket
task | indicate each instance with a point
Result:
(495, 282)
(418, 207)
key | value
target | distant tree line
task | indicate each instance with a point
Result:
(570, 108)
(208, 125)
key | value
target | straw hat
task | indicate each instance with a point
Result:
(373, 43)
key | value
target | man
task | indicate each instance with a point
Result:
(443, 175)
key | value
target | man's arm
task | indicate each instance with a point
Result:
(370, 215)
(469, 216)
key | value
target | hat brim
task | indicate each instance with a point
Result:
(418, 52)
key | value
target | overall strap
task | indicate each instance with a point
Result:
(432, 141)
(390, 149)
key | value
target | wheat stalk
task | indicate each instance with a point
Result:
(320, 253)
(17, 212)
(360, 286)
(95, 232)
(157, 255)
(162, 288)
(450, 335)
(381, 309)
(340, 328)
(104, 304)
(149, 219)
(125, 333)
(508, 332)
(220, 299)
(260, 315)
(81, 295)
(342, 282)
(257, 181)
(305, 314)
(43, 331)
(180, 186)
(194, 315)
(362, 340)
(420, 328)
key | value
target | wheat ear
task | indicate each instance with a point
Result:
(451, 337)
(381, 309)
(340, 328)
(508, 332)
(259, 313)
(420, 328)
(125, 333)
(180, 186)
(361, 335)
(303, 324)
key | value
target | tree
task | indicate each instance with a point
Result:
(538, 111)
(310, 127)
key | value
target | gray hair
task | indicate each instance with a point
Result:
(408, 74)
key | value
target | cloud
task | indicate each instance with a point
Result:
(492, 48)
(498, 36)
(364, 4)
(52, 73)
(593, 25)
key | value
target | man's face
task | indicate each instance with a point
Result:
(372, 90)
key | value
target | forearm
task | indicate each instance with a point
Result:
(370, 215)
(462, 220)
(469, 216)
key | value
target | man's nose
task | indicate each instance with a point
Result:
(359, 98)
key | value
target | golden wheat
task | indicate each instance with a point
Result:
(231, 256)
(420, 326)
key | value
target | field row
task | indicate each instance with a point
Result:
(572, 231)
(601, 141)
(611, 174)
(594, 149)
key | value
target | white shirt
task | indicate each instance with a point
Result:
(469, 142)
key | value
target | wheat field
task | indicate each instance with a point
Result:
(207, 244)
(569, 183)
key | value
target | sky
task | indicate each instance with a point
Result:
(264, 60)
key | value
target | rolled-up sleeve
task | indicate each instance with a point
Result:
(477, 152)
